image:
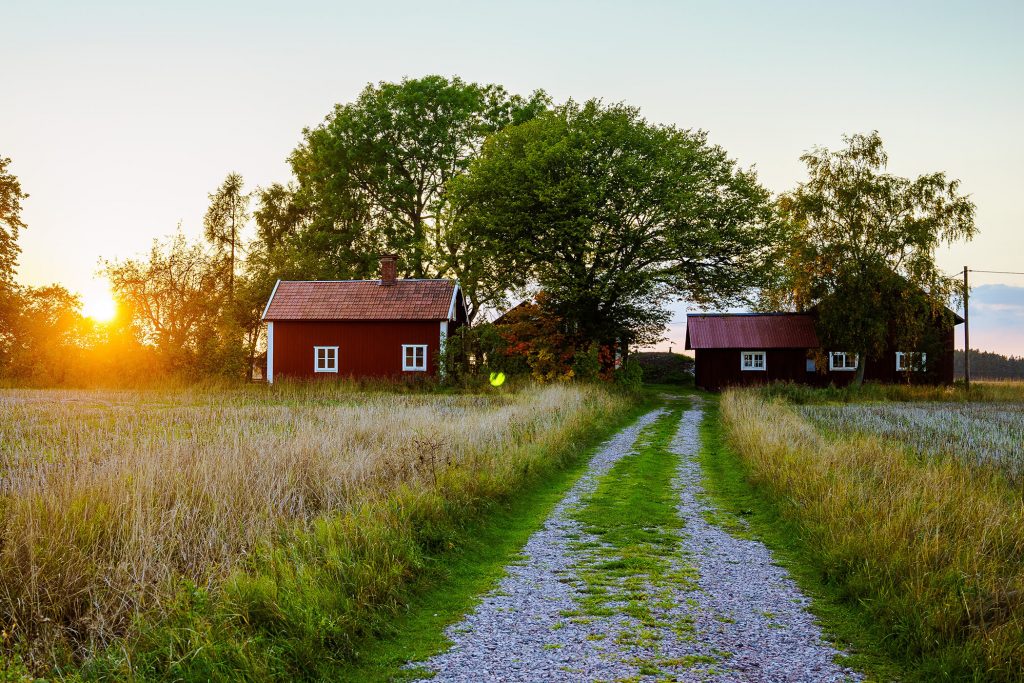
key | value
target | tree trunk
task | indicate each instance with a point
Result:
(858, 378)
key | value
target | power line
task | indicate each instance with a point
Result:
(997, 272)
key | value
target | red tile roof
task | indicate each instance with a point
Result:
(750, 331)
(360, 300)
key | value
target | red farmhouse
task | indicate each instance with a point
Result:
(360, 328)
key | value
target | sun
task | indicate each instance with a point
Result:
(99, 305)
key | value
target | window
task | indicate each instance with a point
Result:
(912, 361)
(842, 360)
(752, 360)
(414, 357)
(325, 359)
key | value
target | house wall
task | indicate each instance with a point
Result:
(719, 368)
(365, 348)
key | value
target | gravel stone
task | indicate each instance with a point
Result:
(738, 617)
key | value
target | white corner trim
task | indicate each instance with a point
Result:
(451, 306)
(444, 341)
(267, 307)
(270, 353)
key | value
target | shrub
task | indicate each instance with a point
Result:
(630, 376)
(665, 368)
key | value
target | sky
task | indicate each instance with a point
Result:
(121, 117)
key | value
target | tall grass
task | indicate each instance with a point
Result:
(933, 549)
(127, 518)
(988, 391)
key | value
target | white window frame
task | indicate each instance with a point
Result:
(316, 359)
(415, 366)
(901, 358)
(844, 367)
(754, 356)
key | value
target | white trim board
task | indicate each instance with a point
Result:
(451, 306)
(270, 353)
(267, 307)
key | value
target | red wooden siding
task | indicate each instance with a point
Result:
(718, 341)
(719, 368)
(365, 348)
(716, 369)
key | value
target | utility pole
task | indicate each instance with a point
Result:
(967, 334)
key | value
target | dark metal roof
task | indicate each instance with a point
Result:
(361, 300)
(750, 331)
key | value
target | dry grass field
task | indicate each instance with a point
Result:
(110, 501)
(932, 547)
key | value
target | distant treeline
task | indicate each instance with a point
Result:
(988, 365)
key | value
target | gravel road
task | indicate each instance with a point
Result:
(721, 610)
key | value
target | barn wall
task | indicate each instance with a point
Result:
(720, 368)
(939, 369)
(365, 348)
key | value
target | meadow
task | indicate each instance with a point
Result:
(247, 532)
(931, 548)
(982, 434)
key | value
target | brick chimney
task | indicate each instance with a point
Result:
(387, 269)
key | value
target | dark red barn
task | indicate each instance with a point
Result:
(387, 328)
(732, 349)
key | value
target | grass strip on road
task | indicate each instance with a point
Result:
(458, 577)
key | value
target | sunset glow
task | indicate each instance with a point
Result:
(99, 305)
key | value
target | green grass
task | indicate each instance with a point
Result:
(875, 392)
(747, 512)
(629, 568)
(324, 583)
(457, 578)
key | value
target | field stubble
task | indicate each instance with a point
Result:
(109, 500)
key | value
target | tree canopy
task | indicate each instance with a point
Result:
(863, 247)
(373, 178)
(611, 216)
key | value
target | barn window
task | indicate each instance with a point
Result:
(843, 360)
(414, 357)
(325, 358)
(910, 361)
(753, 360)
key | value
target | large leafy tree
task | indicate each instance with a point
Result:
(374, 178)
(611, 216)
(863, 248)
